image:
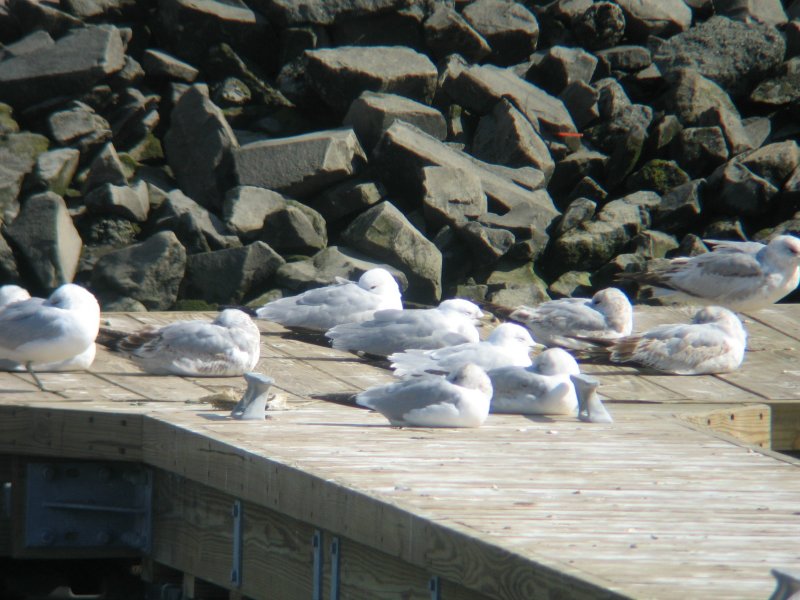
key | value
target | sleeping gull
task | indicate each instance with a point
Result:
(10, 293)
(389, 331)
(590, 406)
(460, 400)
(507, 345)
(741, 276)
(714, 342)
(607, 315)
(544, 388)
(320, 309)
(228, 345)
(39, 332)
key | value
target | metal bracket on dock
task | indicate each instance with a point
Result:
(335, 548)
(236, 569)
(316, 582)
(88, 505)
(435, 588)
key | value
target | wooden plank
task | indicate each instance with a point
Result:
(751, 423)
(786, 427)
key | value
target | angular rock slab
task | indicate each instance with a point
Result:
(655, 17)
(70, 66)
(447, 32)
(149, 272)
(198, 145)
(301, 165)
(230, 276)
(340, 75)
(404, 150)
(129, 202)
(198, 229)
(385, 233)
(373, 113)
(452, 196)
(511, 30)
(325, 12)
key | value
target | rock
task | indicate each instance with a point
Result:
(725, 229)
(605, 276)
(600, 25)
(20, 150)
(395, 28)
(7, 122)
(33, 15)
(197, 229)
(561, 66)
(79, 126)
(70, 66)
(512, 284)
(452, 196)
(328, 264)
(663, 130)
(580, 99)
(655, 17)
(622, 137)
(347, 198)
(230, 276)
(10, 185)
(572, 284)
(38, 40)
(324, 12)
(588, 188)
(781, 90)
(404, 149)
(129, 202)
(149, 272)
(385, 233)
(680, 207)
(580, 210)
(340, 75)
(506, 137)
(479, 88)
(160, 65)
(190, 28)
(8, 264)
(628, 59)
(373, 113)
(612, 101)
(774, 162)
(736, 136)
(106, 168)
(653, 244)
(739, 191)
(246, 207)
(732, 54)
(792, 33)
(531, 239)
(231, 92)
(758, 129)
(223, 62)
(510, 29)
(43, 233)
(198, 144)
(302, 165)
(487, 244)
(295, 229)
(700, 150)
(573, 168)
(447, 32)
(691, 95)
(764, 11)
(691, 245)
(55, 169)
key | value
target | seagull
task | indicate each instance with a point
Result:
(345, 301)
(392, 330)
(714, 342)
(37, 332)
(544, 388)
(460, 400)
(590, 406)
(11, 293)
(607, 315)
(507, 345)
(228, 345)
(741, 276)
(253, 405)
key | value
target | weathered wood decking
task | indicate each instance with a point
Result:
(657, 505)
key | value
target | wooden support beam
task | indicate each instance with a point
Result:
(748, 423)
(786, 427)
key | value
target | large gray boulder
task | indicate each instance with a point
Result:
(451, 196)
(447, 32)
(765, 11)
(295, 229)
(346, 198)
(230, 276)
(510, 29)
(79, 126)
(149, 272)
(246, 208)
(340, 75)
(44, 235)
(70, 66)
(691, 95)
(197, 229)
(385, 233)
(301, 165)
(733, 54)
(129, 202)
(325, 12)
(198, 146)
(55, 169)
(655, 17)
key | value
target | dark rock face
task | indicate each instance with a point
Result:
(511, 151)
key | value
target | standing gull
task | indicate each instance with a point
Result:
(507, 345)
(714, 342)
(228, 345)
(607, 315)
(544, 388)
(741, 276)
(460, 400)
(389, 331)
(320, 309)
(37, 332)
(590, 405)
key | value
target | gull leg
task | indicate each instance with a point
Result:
(29, 368)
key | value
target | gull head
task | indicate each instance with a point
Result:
(74, 297)
(556, 361)
(785, 249)
(723, 318)
(511, 335)
(11, 293)
(471, 376)
(461, 307)
(379, 281)
(615, 306)
(233, 317)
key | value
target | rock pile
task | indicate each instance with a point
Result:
(173, 150)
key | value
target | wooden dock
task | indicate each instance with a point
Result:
(686, 495)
